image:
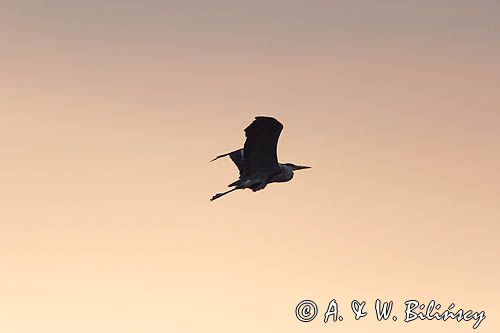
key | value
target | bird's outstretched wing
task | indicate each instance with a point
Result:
(261, 144)
(237, 158)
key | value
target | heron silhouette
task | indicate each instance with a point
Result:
(257, 161)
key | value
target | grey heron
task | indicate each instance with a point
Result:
(257, 161)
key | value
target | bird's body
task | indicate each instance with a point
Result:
(257, 161)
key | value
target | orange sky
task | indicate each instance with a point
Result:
(110, 112)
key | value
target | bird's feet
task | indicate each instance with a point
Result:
(216, 196)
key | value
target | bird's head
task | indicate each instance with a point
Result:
(295, 167)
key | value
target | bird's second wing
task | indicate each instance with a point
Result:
(261, 145)
(237, 158)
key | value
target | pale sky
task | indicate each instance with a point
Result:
(111, 110)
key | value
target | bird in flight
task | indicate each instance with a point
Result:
(257, 161)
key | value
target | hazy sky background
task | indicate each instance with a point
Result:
(111, 110)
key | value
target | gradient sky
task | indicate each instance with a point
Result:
(111, 110)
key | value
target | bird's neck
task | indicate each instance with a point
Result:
(287, 171)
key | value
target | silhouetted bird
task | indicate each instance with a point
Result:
(257, 161)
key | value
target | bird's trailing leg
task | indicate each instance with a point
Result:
(218, 195)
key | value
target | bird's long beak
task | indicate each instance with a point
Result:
(300, 167)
